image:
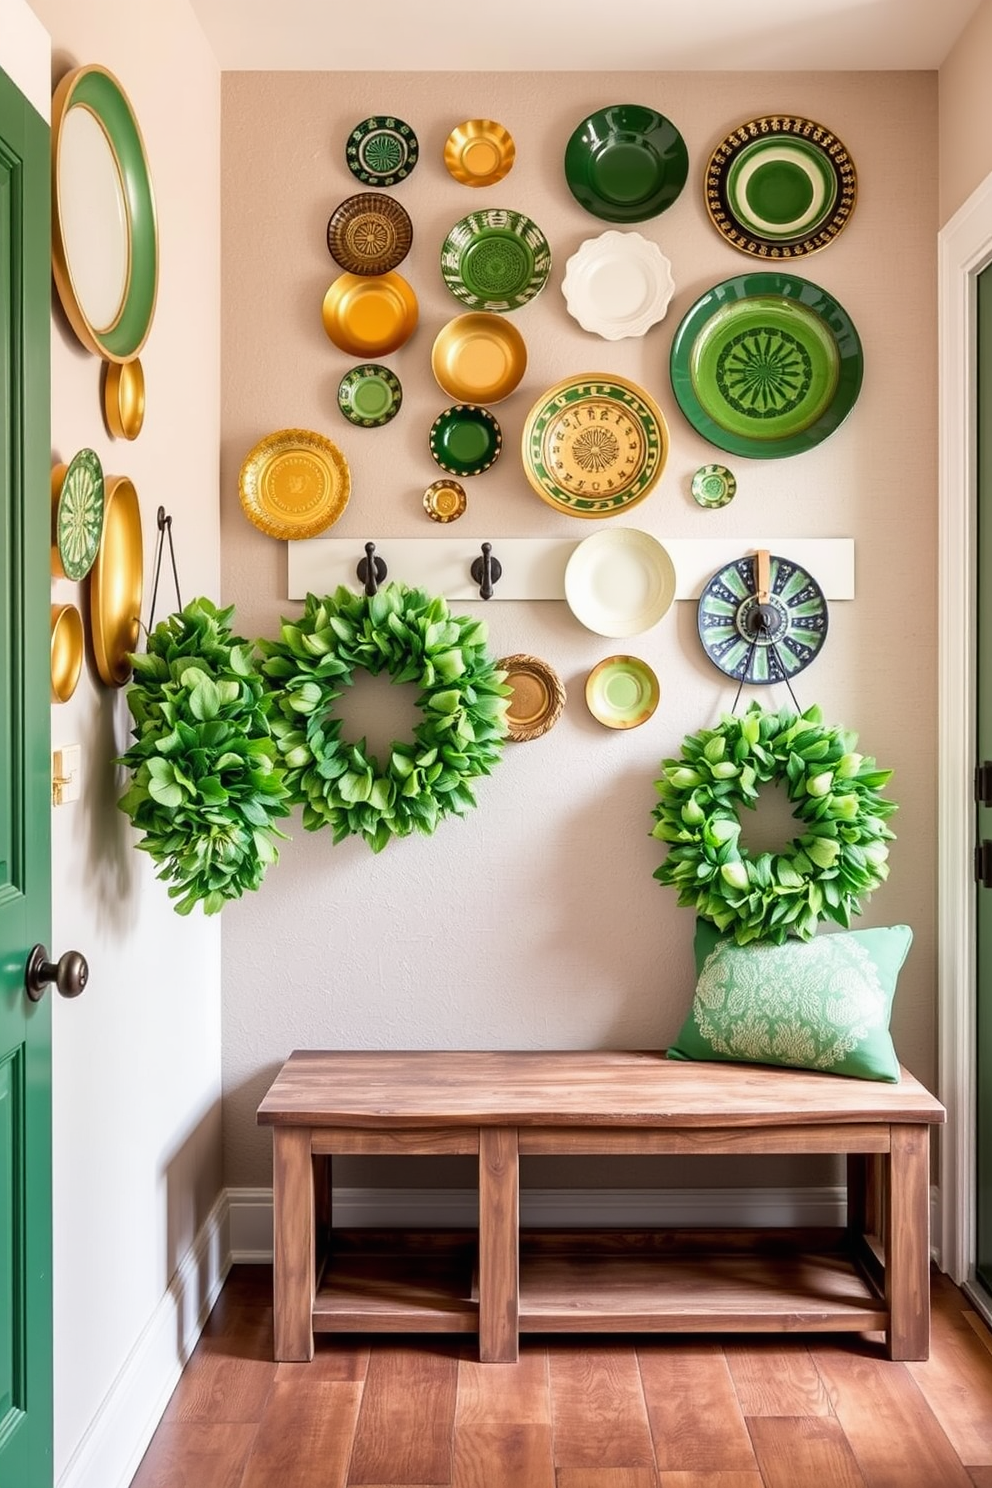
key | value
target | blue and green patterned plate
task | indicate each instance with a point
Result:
(495, 260)
(382, 150)
(794, 628)
(766, 365)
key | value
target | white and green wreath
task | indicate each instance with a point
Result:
(840, 855)
(414, 638)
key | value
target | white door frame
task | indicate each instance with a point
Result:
(964, 249)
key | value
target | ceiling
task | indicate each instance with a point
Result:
(581, 35)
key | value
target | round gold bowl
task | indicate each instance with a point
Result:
(479, 152)
(124, 398)
(479, 357)
(116, 583)
(67, 651)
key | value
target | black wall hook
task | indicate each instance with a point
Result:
(371, 570)
(486, 571)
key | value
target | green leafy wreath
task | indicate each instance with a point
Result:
(415, 639)
(840, 855)
(206, 784)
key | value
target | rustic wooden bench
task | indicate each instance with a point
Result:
(873, 1274)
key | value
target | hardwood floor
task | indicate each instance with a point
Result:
(651, 1412)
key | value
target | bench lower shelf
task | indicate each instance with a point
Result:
(607, 1281)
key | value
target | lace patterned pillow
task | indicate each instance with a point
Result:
(822, 1004)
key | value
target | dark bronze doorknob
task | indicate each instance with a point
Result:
(70, 973)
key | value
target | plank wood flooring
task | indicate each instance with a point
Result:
(596, 1412)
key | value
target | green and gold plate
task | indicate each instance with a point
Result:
(622, 692)
(594, 445)
(495, 260)
(382, 150)
(465, 439)
(780, 187)
(766, 365)
(77, 514)
(370, 396)
(626, 163)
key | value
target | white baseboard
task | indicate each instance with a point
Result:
(115, 1440)
(556, 1208)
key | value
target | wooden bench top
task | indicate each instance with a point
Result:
(573, 1087)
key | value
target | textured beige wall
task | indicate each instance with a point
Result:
(965, 137)
(535, 921)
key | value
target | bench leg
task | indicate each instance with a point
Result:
(907, 1243)
(294, 1243)
(499, 1255)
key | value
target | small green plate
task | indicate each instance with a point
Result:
(370, 395)
(622, 692)
(78, 489)
(465, 439)
(495, 260)
(626, 163)
(713, 486)
(766, 365)
(382, 150)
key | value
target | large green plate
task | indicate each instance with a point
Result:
(495, 260)
(626, 163)
(766, 365)
(104, 234)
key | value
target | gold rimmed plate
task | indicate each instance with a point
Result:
(370, 315)
(116, 583)
(479, 152)
(445, 501)
(124, 398)
(622, 692)
(67, 651)
(479, 357)
(537, 696)
(369, 233)
(294, 483)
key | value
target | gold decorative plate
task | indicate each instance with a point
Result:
(116, 583)
(537, 699)
(369, 233)
(479, 357)
(67, 651)
(124, 398)
(594, 445)
(370, 315)
(445, 501)
(294, 483)
(479, 152)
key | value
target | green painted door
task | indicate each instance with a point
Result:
(25, 881)
(983, 1250)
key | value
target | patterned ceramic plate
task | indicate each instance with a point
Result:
(77, 515)
(479, 152)
(495, 260)
(780, 187)
(766, 365)
(619, 582)
(728, 619)
(445, 501)
(369, 233)
(370, 315)
(713, 486)
(465, 439)
(537, 697)
(381, 150)
(370, 396)
(594, 445)
(626, 163)
(479, 357)
(622, 692)
(294, 483)
(617, 285)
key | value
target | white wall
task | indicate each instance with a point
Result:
(137, 1058)
(965, 138)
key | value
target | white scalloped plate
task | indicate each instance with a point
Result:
(619, 582)
(619, 284)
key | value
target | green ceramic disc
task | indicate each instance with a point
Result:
(713, 486)
(495, 260)
(370, 395)
(465, 439)
(382, 150)
(626, 163)
(79, 514)
(766, 365)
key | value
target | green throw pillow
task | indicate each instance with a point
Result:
(820, 1004)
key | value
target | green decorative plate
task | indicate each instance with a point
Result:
(730, 621)
(622, 692)
(495, 260)
(465, 439)
(780, 187)
(594, 445)
(370, 395)
(766, 365)
(713, 486)
(626, 163)
(77, 517)
(381, 150)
